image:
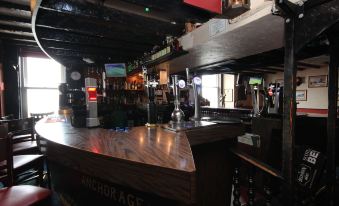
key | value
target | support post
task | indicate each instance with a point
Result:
(289, 109)
(333, 37)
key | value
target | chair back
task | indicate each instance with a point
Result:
(7, 117)
(20, 126)
(38, 116)
(6, 159)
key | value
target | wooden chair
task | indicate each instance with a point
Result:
(21, 195)
(24, 141)
(25, 167)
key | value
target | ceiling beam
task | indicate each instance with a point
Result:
(273, 68)
(16, 38)
(309, 65)
(16, 24)
(23, 44)
(15, 32)
(15, 12)
(19, 2)
(15, 28)
(70, 53)
(20, 38)
(12, 5)
(16, 19)
(92, 48)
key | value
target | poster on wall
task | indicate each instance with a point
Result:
(317, 81)
(301, 95)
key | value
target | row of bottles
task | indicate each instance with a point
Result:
(116, 90)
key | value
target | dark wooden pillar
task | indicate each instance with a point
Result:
(333, 37)
(2, 102)
(289, 108)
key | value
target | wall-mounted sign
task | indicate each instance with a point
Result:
(217, 26)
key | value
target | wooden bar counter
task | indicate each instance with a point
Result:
(143, 166)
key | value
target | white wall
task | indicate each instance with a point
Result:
(316, 97)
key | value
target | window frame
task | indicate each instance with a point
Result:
(23, 110)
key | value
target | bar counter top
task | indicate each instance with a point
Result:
(151, 146)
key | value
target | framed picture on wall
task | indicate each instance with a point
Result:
(301, 95)
(317, 81)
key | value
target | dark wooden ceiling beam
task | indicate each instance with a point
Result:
(79, 60)
(84, 54)
(78, 39)
(15, 28)
(15, 12)
(18, 37)
(16, 24)
(267, 71)
(91, 48)
(277, 69)
(15, 32)
(19, 2)
(309, 65)
(12, 5)
(23, 44)
(16, 19)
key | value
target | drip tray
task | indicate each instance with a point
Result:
(182, 126)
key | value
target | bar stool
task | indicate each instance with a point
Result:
(21, 195)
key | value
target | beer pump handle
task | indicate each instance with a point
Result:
(188, 77)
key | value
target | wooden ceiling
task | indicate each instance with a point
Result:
(109, 31)
(118, 31)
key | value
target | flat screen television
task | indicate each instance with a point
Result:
(115, 70)
(255, 81)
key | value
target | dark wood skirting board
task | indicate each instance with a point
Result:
(190, 167)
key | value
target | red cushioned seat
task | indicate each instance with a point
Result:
(22, 195)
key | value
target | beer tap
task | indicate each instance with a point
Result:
(194, 82)
(150, 85)
(177, 114)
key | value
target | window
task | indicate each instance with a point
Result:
(40, 79)
(210, 89)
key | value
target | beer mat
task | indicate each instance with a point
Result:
(55, 119)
